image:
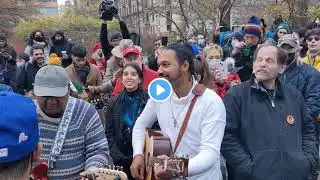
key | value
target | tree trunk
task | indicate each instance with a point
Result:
(301, 17)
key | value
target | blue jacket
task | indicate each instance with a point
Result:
(307, 80)
(4, 87)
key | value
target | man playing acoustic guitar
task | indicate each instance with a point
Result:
(193, 118)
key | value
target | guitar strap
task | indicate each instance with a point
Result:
(61, 133)
(198, 90)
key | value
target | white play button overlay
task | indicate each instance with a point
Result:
(160, 90)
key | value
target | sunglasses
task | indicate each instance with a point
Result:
(282, 32)
(316, 38)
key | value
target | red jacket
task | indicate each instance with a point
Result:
(148, 76)
(221, 89)
(101, 65)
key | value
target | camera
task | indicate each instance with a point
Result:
(107, 10)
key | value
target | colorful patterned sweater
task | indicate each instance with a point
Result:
(85, 145)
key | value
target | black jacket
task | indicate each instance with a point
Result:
(25, 78)
(244, 59)
(106, 46)
(259, 142)
(8, 69)
(118, 134)
(152, 62)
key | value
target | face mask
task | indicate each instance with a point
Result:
(212, 64)
(20, 65)
(38, 39)
(233, 43)
(291, 57)
(201, 42)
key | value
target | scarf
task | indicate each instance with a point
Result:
(131, 106)
(83, 73)
(43, 43)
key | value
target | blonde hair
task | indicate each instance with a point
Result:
(212, 47)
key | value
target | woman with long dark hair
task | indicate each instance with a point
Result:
(122, 112)
(37, 37)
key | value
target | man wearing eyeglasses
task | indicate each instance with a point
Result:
(313, 40)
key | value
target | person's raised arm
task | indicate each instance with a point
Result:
(106, 47)
(123, 27)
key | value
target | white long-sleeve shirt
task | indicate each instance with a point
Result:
(202, 138)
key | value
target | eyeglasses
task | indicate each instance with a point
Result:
(316, 38)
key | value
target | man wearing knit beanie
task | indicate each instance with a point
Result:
(252, 31)
(281, 30)
(243, 51)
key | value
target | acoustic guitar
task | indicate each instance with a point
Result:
(156, 144)
(109, 173)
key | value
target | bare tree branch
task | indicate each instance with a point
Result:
(183, 14)
(165, 16)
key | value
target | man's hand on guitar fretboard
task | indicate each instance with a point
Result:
(166, 167)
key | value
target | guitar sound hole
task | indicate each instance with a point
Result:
(117, 178)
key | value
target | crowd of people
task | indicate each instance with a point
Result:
(244, 105)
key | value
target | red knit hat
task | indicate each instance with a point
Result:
(96, 47)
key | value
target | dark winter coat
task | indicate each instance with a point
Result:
(61, 45)
(25, 78)
(118, 133)
(244, 59)
(261, 141)
(305, 79)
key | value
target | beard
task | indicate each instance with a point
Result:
(173, 78)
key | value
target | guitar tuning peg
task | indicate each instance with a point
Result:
(117, 168)
(121, 168)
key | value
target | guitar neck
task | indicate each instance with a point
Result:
(154, 160)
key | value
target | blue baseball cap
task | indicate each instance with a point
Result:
(19, 132)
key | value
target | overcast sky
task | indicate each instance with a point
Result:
(61, 2)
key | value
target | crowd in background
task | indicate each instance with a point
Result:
(108, 74)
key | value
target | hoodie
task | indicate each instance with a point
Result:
(61, 45)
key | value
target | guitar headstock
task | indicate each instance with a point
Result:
(108, 173)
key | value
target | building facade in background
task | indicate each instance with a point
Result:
(47, 7)
(140, 17)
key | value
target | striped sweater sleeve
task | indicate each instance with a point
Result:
(97, 149)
